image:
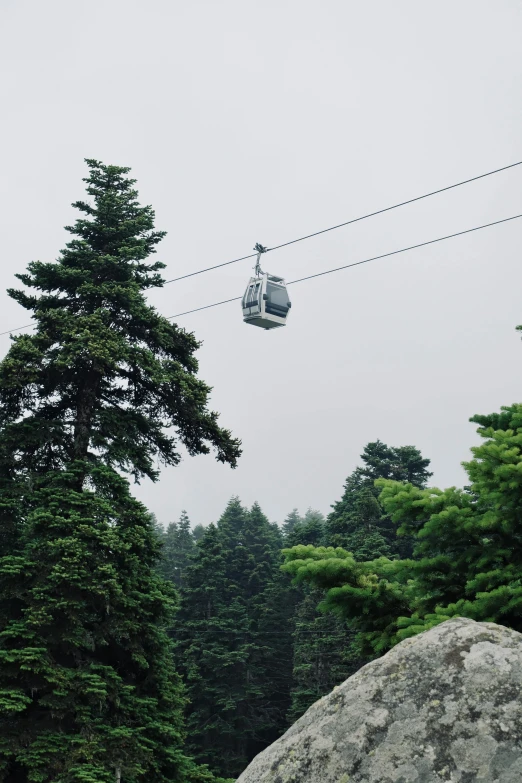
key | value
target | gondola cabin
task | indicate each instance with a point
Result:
(265, 302)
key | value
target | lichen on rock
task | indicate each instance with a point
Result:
(441, 706)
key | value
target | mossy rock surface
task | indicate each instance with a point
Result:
(445, 705)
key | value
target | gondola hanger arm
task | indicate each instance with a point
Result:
(260, 250)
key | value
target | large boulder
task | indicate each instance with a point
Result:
(442, 706)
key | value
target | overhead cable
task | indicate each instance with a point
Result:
(316, 233)
(348, 222)
(364, 261)
(335, 269)
(18, 329)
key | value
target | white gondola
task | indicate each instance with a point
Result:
(265, 302)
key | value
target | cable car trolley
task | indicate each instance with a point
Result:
(265, 302)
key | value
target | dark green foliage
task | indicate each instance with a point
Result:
(86, 678)
(233, 640)
(357, 521)
(467, 557)
(305, 530)
(87, 684)
(103, 374)
(207, 645)
(198, 532)
(13, 505)
(178, 547)
(290, 522)
(401, 463)
(323, 655)
(366, 531)
(325, 649)
(254, 650)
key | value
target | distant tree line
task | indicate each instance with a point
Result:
(392, 559)
(254, 650)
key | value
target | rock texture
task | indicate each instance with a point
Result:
(442, 706)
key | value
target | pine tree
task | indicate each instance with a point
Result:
(88, 692)
(213, 646)
(233, 640)
(292, 519)
(322, 655)
(208, 633)
(325, 648)
(402, 463)
(198, 532)
(178, 548)
(159, 533)
(276, 624)
(309, 529)
(271, 613)
(357, 521)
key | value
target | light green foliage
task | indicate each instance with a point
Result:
(467, 555)
(367, 595)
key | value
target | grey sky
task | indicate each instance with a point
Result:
(259, 121)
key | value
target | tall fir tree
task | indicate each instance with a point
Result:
(103, 386)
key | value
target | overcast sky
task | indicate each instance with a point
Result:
(262, 121)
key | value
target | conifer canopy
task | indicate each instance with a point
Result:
(104, 378)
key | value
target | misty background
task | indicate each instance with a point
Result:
(250, 122)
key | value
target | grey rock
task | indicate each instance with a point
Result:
(442, 706)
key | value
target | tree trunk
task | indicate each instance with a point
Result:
(86, 402)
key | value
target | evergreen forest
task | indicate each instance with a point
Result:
(136, 650)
